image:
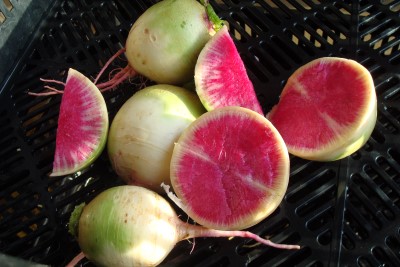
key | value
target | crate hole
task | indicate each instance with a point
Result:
(319, 201)
(356, 227)
(389, 126)
(253, 67)
(381, 256)
(347, 242)
(321, 182)
(2, 17)
(8, 5)
(378, 137)
(395, 7)
(325, 238)
(69, 34)
(261, 57)
(300, 40)
(275, 53)
(396, 156)
(394, 112)
(364, 262)
(394, 244)
(388, 168)
(291, 53)
(387, 2)
(391, 48)
(320, 220)
(374, 196)
(80, 55)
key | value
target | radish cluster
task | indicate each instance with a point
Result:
(226, 163)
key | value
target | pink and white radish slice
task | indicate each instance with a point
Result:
(229, 169)
(82, 124)
(220, 75)
(327, 109)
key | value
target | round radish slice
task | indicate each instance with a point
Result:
(220, 75)
(82, 125)
(230, 169)
(327, 109)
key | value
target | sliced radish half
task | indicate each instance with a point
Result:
(327, 109)
(220, 75)
(82, 125)
(230, 169)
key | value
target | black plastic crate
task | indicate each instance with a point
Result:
(342, 213)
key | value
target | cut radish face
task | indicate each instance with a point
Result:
(82, 125)
(220, 75)
(327, 109)
(230, 169)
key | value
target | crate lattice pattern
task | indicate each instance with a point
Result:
(343, 213)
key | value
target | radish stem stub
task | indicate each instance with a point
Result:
(133, 226)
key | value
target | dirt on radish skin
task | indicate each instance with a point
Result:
(82, 124)
(220, 75)
(165, 41)
(133, 226)
(229, 169)
(327, 109)
(143, 132)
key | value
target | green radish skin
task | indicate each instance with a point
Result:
(143, 133)
(82, 125)
(339, 96)
(133, 226)
(164, 43)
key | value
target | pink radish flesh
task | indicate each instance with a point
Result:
(220, 75)
(327, 109)
(82, 125)
(230, 168)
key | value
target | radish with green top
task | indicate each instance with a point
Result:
(165, 41)
(143, 132)
(229, 169)
(82, 124)
(133, 226)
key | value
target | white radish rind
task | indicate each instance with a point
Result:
(143, 133)
(164, 43)
(133, 226)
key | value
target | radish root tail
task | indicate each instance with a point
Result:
(172, 196)
(121, 74)
(52, 90)
(76, 260)
(196, 231)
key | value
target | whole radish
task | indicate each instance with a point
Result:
(144, 130)
(134, 226)
(165, 41)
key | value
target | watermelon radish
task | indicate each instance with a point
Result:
(327, 109)
(165, 41)
(133, 226)
(82, 125)
(229, 169)
(220, 75)
(143, 132)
